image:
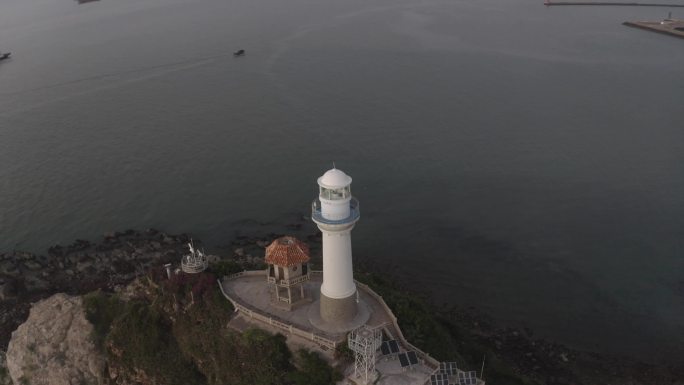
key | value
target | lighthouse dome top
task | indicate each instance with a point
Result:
(334, 178)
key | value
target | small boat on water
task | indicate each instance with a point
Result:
(5, 55)
(239, 53)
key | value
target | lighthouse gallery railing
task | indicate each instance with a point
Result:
(354, 213)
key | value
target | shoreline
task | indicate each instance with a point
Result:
(120, 257)
(77, 269)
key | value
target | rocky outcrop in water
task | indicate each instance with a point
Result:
(79, 268)
(55, 346)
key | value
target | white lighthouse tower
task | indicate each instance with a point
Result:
(336, 212)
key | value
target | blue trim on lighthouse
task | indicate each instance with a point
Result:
(354, 214)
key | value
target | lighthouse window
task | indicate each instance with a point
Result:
(325, 193)
(335, 194)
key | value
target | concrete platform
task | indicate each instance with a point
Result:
(254, 292)
(392, 374)
(669, 27)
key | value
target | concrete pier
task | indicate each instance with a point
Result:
(668, 27)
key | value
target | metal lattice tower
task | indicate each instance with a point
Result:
(364, 342)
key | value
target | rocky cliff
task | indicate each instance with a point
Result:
(55, 346)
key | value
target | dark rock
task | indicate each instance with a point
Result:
(123, 267)
(32, 265)
(8, 289)
(82, 266)
(55, 251)
(8, 267)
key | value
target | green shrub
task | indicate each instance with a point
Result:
(4, 375)
(225, 267)
(313, 370)
(101, 309)
(254, 357)
(139, 339)
(343, 353)
(179, 335)
(417, 320)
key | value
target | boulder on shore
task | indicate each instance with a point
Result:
(55, 345)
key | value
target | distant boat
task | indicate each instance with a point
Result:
(5, 55)
(239, 53)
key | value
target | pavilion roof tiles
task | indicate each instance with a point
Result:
(287, 251)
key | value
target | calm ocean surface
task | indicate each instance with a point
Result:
(522, 159)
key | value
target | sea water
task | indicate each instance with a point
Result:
(523, 159)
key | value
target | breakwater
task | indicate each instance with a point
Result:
(669, 27)
(627, 4)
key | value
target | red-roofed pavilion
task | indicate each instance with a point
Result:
(288, 268)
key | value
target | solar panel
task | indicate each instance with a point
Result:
(413, 359)
(448, 368)
(394, 346)
(467, 378)
(439, 379)
(384, 348)
(403, 360)
(473, 377)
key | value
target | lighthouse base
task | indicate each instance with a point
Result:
(338, 310)
(337, 326)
